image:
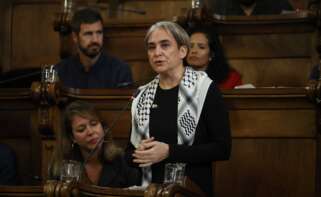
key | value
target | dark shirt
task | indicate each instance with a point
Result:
(107, 72)
(212, 139)
(262, 7)
(8, 175)
(166, 111)
(117, 173)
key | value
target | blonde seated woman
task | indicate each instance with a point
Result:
(85, 138)
(206, 54)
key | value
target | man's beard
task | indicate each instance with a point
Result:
(90, 53)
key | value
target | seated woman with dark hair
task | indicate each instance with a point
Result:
(86, 139)
(206, 54)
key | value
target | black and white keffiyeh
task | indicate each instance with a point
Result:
(191, 96)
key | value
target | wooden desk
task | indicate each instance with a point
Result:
(274, 145)
(275, 148)
(63, 189)
(275, 137)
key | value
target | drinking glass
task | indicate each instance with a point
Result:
(70, 171)
(175, 173)
(180, 173)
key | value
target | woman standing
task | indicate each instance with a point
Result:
(179, 116)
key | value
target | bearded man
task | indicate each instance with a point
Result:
(91, 67)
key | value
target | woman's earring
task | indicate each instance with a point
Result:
(72, 145)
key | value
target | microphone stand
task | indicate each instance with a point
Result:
(19, 77)
(116, 119)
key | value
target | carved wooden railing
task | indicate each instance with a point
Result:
(70, 189)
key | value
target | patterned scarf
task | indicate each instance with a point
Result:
(191, 96)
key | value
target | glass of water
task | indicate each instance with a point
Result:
(70, 171)
(175, 173)
(180, 173)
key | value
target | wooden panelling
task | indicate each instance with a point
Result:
(292, 72)
(268, 46)
(34, 42)
(5, 35)
(297, 4)
(127, 47)
(154, 9)
(142, 72)
(268, 167)
(18, 130)
(271, 60)
(273, 123)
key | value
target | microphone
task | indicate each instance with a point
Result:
(19, 77)
(124, 84)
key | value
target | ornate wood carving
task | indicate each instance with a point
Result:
(45, 95)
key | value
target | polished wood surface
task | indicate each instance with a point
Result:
(21, 191)
(90, 190)
(274, 150)
(54, 188)
(61, 189)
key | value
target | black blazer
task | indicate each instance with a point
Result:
(117, 173)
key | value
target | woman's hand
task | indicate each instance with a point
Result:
(150, 151)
